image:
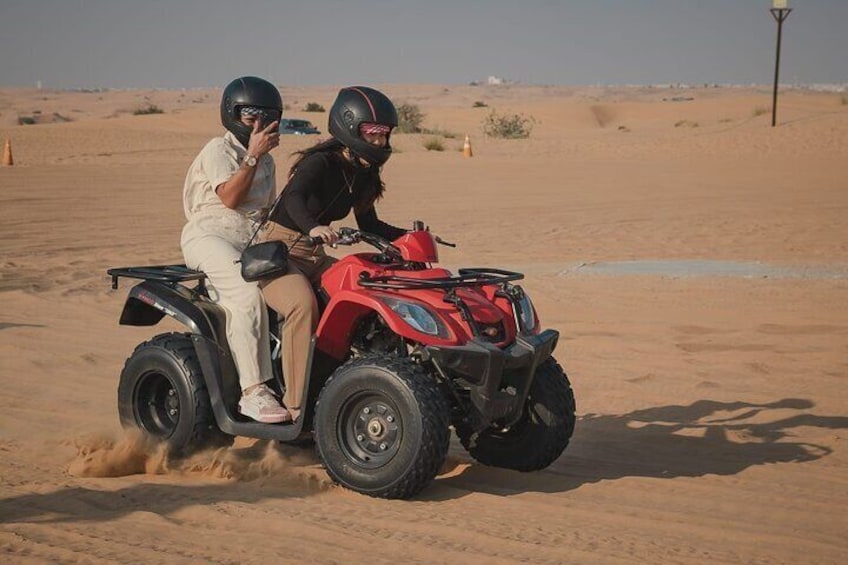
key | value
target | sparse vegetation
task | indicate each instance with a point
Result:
(759, 111)
(508, 126)
(725, 120)
(479, 104)
(441, 132)
(313, 107)
(148, 109)
(409, 118)
(26, 121)
(434, 144)
(843, 99)
(686, 123)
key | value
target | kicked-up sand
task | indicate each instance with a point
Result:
(692, 257)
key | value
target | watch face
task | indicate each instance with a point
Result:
(250, 160)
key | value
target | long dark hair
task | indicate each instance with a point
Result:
(369, 187)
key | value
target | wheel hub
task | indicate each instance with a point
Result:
(156, 393)
(370, 430)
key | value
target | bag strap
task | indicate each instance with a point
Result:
(347, 187)
(265, 219)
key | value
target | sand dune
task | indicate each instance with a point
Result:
(711, 413)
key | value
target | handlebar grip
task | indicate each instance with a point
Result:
(313, 240)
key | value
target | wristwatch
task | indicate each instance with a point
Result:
(249, 160)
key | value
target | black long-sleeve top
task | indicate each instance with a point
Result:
(318, 194)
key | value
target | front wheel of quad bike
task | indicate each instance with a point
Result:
(163, 394)
(382, 427)
(542, 433)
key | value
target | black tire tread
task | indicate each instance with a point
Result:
(204, 430)
(436, 426)
(551, 385)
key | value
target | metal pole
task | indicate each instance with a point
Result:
(779, 14)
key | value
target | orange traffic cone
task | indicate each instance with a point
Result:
(466, 147)
(7, 154)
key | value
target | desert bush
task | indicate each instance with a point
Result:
(26, 121)
(409, 118)
(479, 104)
(686, 123)
(843, 99)
(314, 107)
(434, 144)
(759, 111)
(444, 133)
(148, 109)
(508, 126)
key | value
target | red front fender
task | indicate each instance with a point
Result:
(346, 308)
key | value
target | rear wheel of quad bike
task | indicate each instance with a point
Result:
(542, 433)
(163, 394)
(382, 427)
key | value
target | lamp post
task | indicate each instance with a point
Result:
(780, 12)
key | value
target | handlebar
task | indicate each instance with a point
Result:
(352, 236)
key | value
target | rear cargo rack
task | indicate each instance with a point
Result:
(164, 273)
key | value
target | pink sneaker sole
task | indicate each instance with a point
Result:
(286, 417)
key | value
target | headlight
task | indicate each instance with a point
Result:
(416, 316)
(525, 312)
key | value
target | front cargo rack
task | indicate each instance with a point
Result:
(466, 277)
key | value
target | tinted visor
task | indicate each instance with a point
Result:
(374, 129)
(264, 115)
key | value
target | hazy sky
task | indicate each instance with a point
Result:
(189, 43)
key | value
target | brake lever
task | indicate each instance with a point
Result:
(346, 240)
(441, 241)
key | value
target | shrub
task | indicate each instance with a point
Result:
(433, 144)
(409, 118)
(506, 126)
(759, 111)
(313, 107)
(844, 99)
(441, 132)
(479, 104)
(148, 109)
(26, 121)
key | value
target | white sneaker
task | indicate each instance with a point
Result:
(261, 405)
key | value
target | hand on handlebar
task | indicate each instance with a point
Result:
(325, 233)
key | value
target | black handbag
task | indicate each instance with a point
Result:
(266, 260)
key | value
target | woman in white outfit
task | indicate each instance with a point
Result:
(228, 188)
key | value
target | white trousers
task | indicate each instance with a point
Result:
(247, 317)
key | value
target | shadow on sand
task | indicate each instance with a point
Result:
(706, 437)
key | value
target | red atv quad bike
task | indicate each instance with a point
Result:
(403, 352)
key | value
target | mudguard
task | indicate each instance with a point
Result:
(149, 301)
(346, 308)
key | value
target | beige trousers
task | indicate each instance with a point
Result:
(247, 318)
(292, 297)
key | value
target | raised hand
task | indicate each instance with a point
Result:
(263, 140)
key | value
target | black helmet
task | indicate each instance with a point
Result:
(249, 91)
(354, 106)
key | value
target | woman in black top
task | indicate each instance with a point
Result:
(325, 183)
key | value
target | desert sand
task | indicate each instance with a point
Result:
(694, 259)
